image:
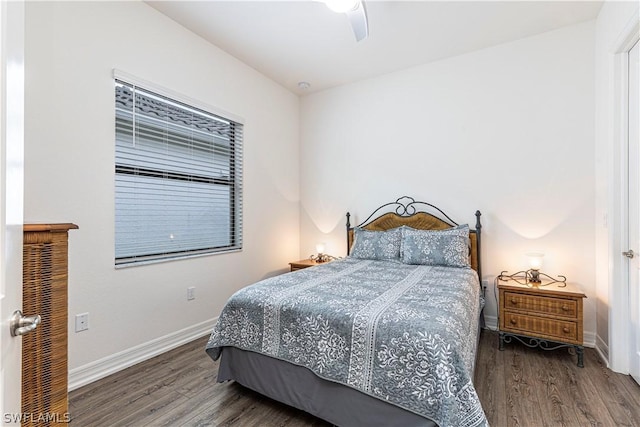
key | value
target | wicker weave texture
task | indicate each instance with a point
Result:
(44, 351)
(542, 327)
(544, 305)
(550, 314)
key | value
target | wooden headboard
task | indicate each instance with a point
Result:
(419, 215)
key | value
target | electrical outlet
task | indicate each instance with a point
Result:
(82, 322)
(191, 293)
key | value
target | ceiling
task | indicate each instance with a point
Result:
(293, 41)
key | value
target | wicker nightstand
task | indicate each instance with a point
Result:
(546, 317)
(303, 263)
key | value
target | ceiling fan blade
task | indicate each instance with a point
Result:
(358, 19)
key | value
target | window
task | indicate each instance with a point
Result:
(178, 172)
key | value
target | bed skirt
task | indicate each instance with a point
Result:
(297, 386)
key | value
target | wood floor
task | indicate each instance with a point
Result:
(517, 387)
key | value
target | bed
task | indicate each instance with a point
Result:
(384, 337)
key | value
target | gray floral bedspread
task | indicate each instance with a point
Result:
(405, 334)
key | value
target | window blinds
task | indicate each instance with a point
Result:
(178, 179)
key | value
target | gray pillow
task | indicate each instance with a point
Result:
(448, 247)
(380, 245)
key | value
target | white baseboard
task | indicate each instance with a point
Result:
(106, 366)
(589, 339)
(491, 322)
(603, 349)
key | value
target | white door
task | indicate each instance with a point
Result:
(11, 200)
(634, 210)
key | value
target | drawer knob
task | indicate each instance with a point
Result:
(514, 301)
(566, 330)
(565, 308)
(513, 321)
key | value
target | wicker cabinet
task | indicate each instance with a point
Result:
(546, 317)
(44, 351)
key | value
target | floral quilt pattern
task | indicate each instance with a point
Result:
(405, 334)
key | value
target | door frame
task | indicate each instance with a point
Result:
(634, 212)
(12, 28)
(619, 330)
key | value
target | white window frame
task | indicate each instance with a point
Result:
(235, 225)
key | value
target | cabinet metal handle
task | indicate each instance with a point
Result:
(629, 253)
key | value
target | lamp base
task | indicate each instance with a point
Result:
(535, 276)
(320, 258)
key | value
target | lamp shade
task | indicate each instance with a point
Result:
(320, 248)
(535, 260)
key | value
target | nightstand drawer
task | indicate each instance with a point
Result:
(532, 325)
(539, 304)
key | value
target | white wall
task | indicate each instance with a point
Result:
(507, 130)
(71, 49)
(614, 23)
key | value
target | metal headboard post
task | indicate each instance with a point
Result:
(348, 228)
(478, 252)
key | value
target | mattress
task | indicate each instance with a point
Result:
(405, 335)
